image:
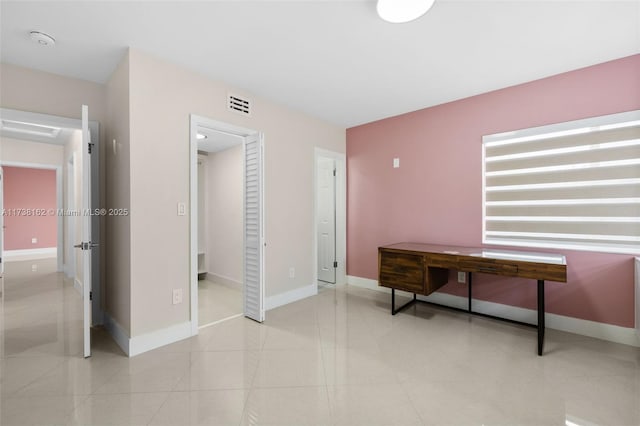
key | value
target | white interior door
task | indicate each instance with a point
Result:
(86, 245)
(1, 223)
(326, 213)
(253, 230)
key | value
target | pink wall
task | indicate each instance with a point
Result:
(436, 194)
(31, 189)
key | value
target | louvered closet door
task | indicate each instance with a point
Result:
(253, 238)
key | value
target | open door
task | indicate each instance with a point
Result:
(86, 245)
(253, 229)
(326, 213)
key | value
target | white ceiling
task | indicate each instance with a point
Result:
(335, 60)
(216, 140)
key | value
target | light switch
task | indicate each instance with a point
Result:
(182, 209)
(396, 163)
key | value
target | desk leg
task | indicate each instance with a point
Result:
(469, 289)
(393, 302)
(540, 316)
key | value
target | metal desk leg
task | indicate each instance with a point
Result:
(393, 302)
(540, 316)
(469, 289)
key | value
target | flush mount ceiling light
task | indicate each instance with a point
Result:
(400, 11)
(42, 38)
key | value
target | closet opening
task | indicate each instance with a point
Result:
(330, 218)
(227, 241)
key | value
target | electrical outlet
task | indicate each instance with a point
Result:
(34, 268)
(462, 277)
(292, 272)
(177, 296)
(34, 240)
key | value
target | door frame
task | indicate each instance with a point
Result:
(2, 249)
(196, 121)
(59, 193)
(94, 127)
(341, 212)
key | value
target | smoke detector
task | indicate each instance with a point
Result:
(42, 38)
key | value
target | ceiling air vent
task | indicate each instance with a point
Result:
(238, 104)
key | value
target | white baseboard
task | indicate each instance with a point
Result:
(67, 272)
(155, 339)
(281, 299)
(118, 333)
(609, 332)
(137, 345)
(30, 254)
(78, 286)
(226, 281)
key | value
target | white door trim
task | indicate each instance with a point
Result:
(195, 122)
(341, 212)
(86, 222)
(2, 256)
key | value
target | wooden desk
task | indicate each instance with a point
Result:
(424, 268)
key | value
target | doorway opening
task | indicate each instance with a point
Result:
(227, 240)
(330, 217)
(39, 143)
(32, 195)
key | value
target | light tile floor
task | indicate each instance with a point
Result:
(338, 358)
(217, 301)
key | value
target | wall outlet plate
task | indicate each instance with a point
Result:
(177, 296)
(462, 277)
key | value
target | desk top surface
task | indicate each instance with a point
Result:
(516, 255)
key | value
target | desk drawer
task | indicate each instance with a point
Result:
(442, 261)
(489, 267)
(402, 271)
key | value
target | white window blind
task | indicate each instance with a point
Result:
(571, 185)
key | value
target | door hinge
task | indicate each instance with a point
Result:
(335, 264)
(334, 172)
(91, 295)
(90, 147)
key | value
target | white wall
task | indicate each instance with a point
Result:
(202, 209)
(162, 97)
(224, 212)
(21, 151)
(118, 195)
